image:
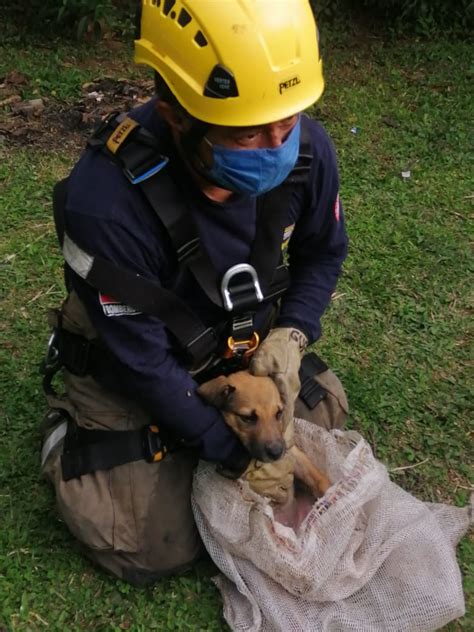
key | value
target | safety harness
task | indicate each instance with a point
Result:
(239, 293)
(242, 288)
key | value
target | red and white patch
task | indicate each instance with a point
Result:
(112, 307)
(337, 208)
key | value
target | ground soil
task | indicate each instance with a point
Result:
(45, 123)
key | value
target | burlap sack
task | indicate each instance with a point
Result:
(368, 556)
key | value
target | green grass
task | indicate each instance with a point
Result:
(397, 332)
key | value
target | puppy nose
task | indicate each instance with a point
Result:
(274, 450)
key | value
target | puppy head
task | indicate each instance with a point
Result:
(252, 407)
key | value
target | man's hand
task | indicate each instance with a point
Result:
(279, 357)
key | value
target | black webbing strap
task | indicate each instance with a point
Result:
(311, 391)
(197, 340)
(163, 195)
(266, 254)
(145, 295)
(173, 213)
(87, 451)
(81, 356)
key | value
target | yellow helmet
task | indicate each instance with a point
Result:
(234, 62)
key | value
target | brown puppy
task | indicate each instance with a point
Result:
(252, 407)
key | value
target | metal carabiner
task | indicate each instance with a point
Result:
(240, 268)
(51, 357)
(243, 348)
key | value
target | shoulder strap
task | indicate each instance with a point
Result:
(145, 295)
(163, 196)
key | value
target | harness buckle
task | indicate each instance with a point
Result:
(144, 171)
(153, 448)
(244, 293)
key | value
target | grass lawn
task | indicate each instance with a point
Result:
(397, 332)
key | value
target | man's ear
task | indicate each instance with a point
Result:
(217, 392)
(175, 119)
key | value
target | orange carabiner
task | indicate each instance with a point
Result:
(241, 347)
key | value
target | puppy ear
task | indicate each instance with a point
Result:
(216, 392)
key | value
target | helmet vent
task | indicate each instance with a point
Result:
(184, 18)
(221, 84)
(167, 6)
(200, 40)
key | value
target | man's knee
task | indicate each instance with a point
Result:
(149, 564)
(322, 399)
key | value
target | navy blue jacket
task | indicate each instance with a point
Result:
(107, 216)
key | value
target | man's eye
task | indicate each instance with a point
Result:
(249, 419)
(248, 137)
(279, 413)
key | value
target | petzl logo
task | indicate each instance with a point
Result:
(121, 130)
(289, 83)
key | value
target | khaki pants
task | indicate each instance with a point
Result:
(135, 520)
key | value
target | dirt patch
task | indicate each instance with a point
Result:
(47, 123)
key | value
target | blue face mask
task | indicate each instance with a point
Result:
(254, 171)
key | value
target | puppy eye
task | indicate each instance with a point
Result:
(249, 419)
(279, 413)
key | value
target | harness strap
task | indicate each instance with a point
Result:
(197, 340)
(311, 391)
(163, 196)
(87, 451)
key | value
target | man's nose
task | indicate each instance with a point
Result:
(274, 136)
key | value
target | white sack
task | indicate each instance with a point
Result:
(369, 557)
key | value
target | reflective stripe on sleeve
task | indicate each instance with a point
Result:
(76, 258)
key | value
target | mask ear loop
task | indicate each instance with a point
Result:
(190, 140)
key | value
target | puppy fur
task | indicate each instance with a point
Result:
(252, 407)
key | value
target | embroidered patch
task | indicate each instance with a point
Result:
(111, 307)
(286, 236)
(337, 208)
